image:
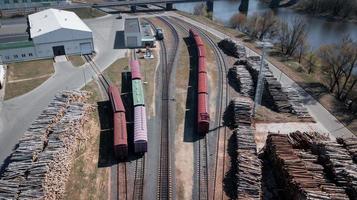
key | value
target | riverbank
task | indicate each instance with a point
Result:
(312, 83)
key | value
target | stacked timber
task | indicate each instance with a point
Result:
(229, 47)
(239, 112)
(249, 174)
(243, 79)
(335, 159)
(273, 93)
(297, 103)
(40, 165)
(297, 171)
(351, 145)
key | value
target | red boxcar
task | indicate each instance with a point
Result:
(198, 41)
(135, 69)
(115, 99)
(201, 51)
(120, 136)
(193, 33)
(203, 114)
(202, 83)
(202, 68)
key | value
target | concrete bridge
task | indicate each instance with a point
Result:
(134, 3)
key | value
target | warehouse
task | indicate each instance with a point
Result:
(132, 33)
(50, 33)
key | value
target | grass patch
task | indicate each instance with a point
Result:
(19, 88)
(29, 69)
(86, 13)
(33, 74)
(76, 60)
(113, 72)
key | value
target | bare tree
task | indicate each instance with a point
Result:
(200, 10)
(238, 20)
(339, 61)
(262, 26)
(290, 37)
(310, 62)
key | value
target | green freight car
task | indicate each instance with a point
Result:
(138, 93)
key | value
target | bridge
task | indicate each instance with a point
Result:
(131, 3)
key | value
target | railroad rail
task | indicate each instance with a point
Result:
(167, 60)
(105, 82)
(223, 93)
(121, 181)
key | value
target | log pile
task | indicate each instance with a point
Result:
(229, 47)
(40, 165)
(335, 159)
(296, 102)
(239, 112)
(351, 145)
(249, 174)
(242, 77)
(273, 93)
(298, 172)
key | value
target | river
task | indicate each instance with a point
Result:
(320, 30)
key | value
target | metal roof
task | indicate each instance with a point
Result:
(138, 92)
(146, 33)
(53, 19)
(132, 25)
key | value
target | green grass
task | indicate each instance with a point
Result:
(76, 60)
(86, 13)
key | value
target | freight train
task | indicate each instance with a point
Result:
(140, 122)
(120, 131)
(203, 117)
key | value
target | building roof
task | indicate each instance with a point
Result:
(146, 32)
(132, 25)
(53, 19)
(16, 45)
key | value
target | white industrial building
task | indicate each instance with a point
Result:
(52, 33)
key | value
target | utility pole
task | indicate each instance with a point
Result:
(260, 85)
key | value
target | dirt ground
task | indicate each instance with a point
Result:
(183, 150)
(76, 61)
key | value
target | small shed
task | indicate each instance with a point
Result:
(132, 33)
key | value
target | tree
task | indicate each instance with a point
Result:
(262, 26)
(310, 62)
(238, 20)
(200, 10)
(339, 61)
(290, 37)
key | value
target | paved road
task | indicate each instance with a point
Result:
(321, 115)
(17, 114)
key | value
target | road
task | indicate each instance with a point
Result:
(320, 114)
(18, 113)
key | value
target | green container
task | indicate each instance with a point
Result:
(138, 93)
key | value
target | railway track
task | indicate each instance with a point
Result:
(167, 60)
(121, 181)
(206, 186)
(104, 81)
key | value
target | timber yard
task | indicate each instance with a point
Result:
(120, 100)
